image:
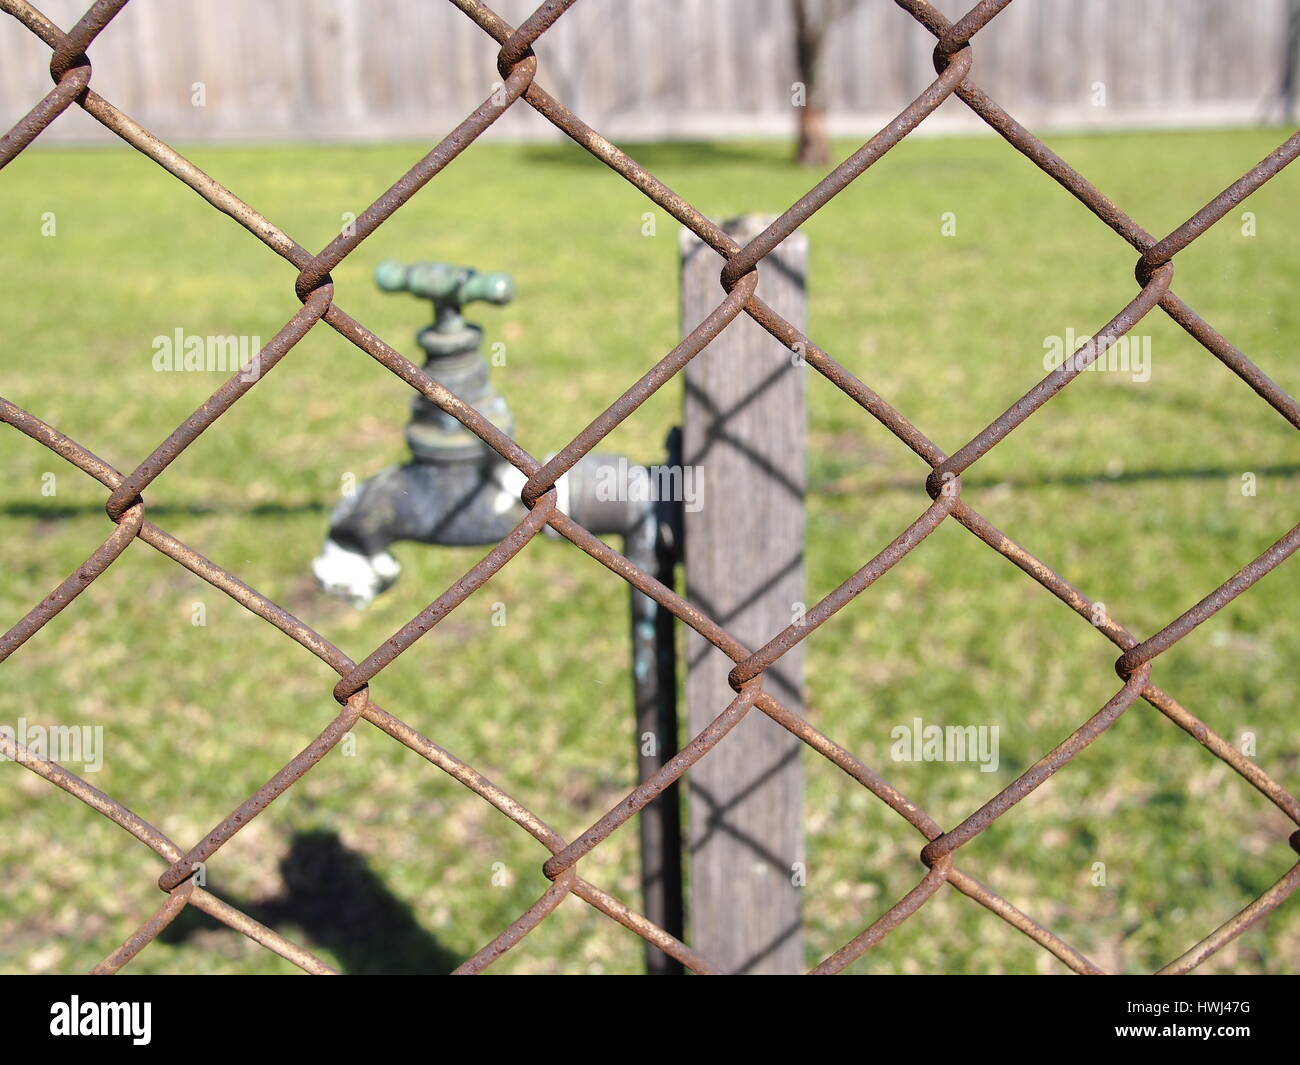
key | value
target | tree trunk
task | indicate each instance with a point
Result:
(811, 18)
(814, 137)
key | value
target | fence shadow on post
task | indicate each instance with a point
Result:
(743, 432)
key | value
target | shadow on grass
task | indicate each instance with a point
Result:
(53, 512)
(820, 482)
(655, 155)
(339, 904)
(1075, 480)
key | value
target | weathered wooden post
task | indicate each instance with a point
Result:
(744, 431)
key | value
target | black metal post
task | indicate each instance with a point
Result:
(654, 546)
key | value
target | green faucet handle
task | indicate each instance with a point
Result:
(447, 285)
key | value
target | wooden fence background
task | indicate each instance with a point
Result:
(637, 69)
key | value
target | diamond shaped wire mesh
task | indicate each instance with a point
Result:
(70, 70)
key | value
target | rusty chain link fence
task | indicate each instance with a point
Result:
(70, 69)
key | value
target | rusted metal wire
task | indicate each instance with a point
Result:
(125, 505)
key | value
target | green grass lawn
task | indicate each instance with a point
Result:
(1131, 490)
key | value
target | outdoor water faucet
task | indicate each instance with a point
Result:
(456, 490)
